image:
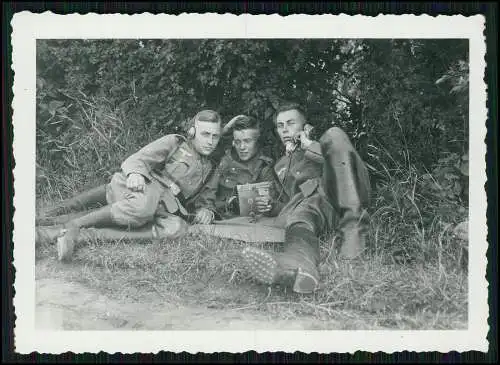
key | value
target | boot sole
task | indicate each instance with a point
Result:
(264, 268)
(261, 265)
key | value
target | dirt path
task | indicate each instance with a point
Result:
(65, 305)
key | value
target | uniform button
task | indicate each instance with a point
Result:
(298, 172)
(227, 180)
(233, 169)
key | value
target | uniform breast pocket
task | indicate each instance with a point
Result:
(241, 176)
(229, 182)
(178, 168)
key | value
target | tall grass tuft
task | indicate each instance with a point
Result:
(83, 144)
(410, 222)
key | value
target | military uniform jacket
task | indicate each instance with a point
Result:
(295, 169)
(171, 159)
(231, 172)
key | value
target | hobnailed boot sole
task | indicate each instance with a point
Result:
(264, 267)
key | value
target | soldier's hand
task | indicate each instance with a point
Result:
(204, 216)
(230, 124)
(305, 142)
(263, 204)
(136, 182)
(233, 205)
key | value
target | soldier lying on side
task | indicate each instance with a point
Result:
(159, 184)
(327, 187)
(244, 163)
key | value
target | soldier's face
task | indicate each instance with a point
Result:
(206, 138)
(289, 124)
(245, 143)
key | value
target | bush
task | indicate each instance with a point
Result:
(377, 90)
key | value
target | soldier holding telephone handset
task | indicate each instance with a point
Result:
(302, 160)
(324, 187)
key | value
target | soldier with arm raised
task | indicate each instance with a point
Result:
(243, 163)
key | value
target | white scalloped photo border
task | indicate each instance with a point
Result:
(28, 27)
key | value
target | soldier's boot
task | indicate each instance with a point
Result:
(353, 238)
(296, 267)
(61, 219)
(47, 234)
(347, 185)
(81, 201)
(67, 241)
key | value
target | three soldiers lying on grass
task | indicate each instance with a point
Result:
(317, 187)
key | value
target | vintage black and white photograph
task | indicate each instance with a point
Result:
(268, 183)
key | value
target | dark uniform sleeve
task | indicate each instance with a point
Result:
(150, 157)
(313, 152)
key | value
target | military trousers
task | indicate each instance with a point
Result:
(135, 209)
(336, 199)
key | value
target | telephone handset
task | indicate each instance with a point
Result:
(292, 145)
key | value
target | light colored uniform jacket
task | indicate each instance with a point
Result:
(170, 159)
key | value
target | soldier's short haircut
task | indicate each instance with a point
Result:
(246, 122)
(208, 115)
(284, 107)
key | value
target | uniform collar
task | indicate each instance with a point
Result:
(298, 152)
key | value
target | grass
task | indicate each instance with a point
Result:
(414, 275)
(381, 294)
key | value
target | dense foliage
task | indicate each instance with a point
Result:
(401, 101)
